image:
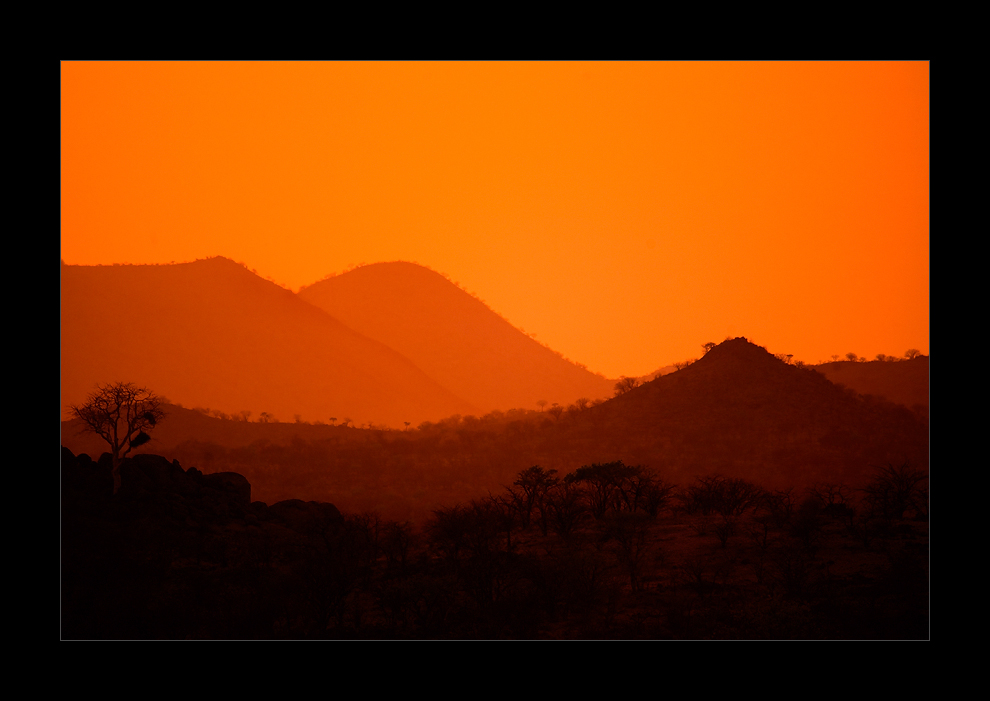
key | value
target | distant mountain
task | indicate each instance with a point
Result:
(453, 337)
(214, 334)
(904, 382)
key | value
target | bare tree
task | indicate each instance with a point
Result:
(566, 506)
(630, 532)
(895, 491)
(121, 413)
(535, 483)
(625, 384)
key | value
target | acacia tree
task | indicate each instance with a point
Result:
(625, 384)
(121, 413)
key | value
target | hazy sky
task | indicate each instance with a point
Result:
(626, 213)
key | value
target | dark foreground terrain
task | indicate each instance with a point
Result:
(609, 551)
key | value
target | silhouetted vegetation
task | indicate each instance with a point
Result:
(732, 499)
(738, 412)
(180, 554)
(120, 413)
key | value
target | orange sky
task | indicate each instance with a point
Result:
(624, 212)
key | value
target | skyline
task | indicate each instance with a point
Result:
(625, 213)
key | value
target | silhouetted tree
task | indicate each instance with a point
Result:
(629, 532)
(708, 346)
(535, 482)
(656, 493)
(722, 495)
(120, 413)
(446, 532)
(725, 528)
(609, 485)
(834, 499)
(566, 507)
(504, 511)
(912, 353)
(625, 384)
(894, 491)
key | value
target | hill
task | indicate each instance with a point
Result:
(453, 337)
(904, 382)
(741, 411)
(212, 333)
(737, 411)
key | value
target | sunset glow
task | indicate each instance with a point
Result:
(625, 213)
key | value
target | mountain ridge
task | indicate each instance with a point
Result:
(213, 333)
(454, 336)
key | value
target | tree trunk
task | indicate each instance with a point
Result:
(116, 474)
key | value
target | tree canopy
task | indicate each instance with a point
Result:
(121, 413)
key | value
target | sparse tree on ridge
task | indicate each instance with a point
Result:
(121, 413)
(625, 384)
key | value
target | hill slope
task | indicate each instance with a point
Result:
(453, 337)
(211, 333)
(740, 411)
(904, 382)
